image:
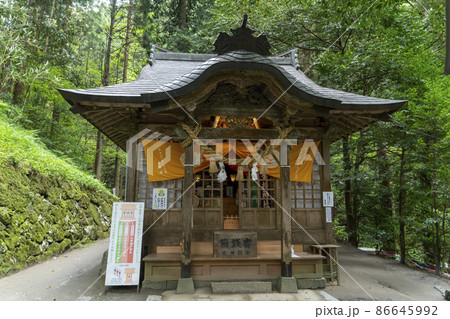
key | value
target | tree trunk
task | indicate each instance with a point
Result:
(355, 197)
(105, 82)
(17, 92)
(99, 156)
(351, 223)
(447, 38)
(436, 212)
(51, 16)
(386, 200)
(401, 208)
(183, 15)
(117, 169)
(438, 248)
(127, 43)
(105, 78)
(55, 120)
(444, 240)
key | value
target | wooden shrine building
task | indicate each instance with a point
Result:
(232, 216)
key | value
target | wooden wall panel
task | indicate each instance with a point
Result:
(258, 218)
(315, 218)
(208, 219)
(308, 218)
(300, 237)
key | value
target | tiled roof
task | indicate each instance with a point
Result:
(179, 73)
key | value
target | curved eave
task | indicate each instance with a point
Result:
(380, 107)
(77, 96)
(199, 76)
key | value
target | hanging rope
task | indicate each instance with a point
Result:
(192, 134)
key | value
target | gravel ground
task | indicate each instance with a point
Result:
(73, 276)
(371, 277)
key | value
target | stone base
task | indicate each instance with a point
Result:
(241, 287)
(311, 283)
(185, 286)
(287, 285)
(104, 263)
(160, 284)
(173, 284)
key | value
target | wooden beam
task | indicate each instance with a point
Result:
(113, 120)
(342, 127)
(327, 186)
(359, 121)
(286, 219)
(237, 111)
(188, 212)
(237, 133)
(80, 109)
(341, 120)
(130, 186)
(100, 116)
(121, 141)
(115, 134)
(349, 121)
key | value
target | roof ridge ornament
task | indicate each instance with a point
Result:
(242, 39)
(152, 57)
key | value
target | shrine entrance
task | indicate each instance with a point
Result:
(243, 204)
(230, 208)
(240, 93)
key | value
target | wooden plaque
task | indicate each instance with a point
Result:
(235, 244)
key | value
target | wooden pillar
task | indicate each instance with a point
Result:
(188, 212)
(327, 185)
(130, 187)
(286, 220)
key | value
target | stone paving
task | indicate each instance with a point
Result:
(205, 294)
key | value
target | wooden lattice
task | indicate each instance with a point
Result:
(307, 195)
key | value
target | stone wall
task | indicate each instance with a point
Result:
(43, 216)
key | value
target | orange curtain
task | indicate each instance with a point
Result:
(165, 160)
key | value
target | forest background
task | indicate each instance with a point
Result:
(391, 180)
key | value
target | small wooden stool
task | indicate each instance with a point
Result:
(331, 267)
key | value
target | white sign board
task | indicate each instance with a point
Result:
(159, 199)
(125, 243)
(328, 214)
(328, 199)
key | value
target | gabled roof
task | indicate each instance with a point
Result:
(175, 74)
(116, 110)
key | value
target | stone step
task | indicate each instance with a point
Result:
(241, 287)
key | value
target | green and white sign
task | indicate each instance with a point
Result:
(125, 243)
(159, 198)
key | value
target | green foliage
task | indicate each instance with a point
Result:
(389, 49)
(24, 148)
(160, 24)
(46, 204)
(63, 48)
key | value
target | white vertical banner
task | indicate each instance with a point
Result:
(328, 199)
(125, 243)
(328, 214)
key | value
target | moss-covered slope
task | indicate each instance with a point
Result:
(46, 204)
